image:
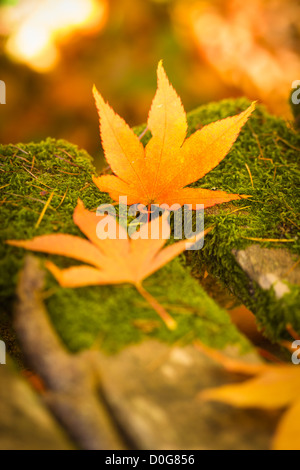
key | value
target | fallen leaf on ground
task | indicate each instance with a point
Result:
(111, 261)
(270, 387)
(160, 172)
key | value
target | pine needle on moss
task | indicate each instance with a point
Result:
(44, 210)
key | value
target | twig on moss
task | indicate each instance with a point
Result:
(261, 155)
(63, 198)
(297, 226)
(44, 210)
(238, 209)
(27, 197)
(273, 240)
(67, 161)
(40, 182)
(21, 150)
(38, 187)
(5, 186)
(143, 133)
(286, 143)
(85, 187)
(64, 151)
(30, 172)
(32, 163)
(249, 172)
(5, 201)
(20, 158)
(67, 172)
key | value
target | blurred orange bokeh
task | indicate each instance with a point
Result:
(52, 51)
(35, 29)
(252, 45)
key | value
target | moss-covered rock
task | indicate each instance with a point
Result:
(108, 316)
(263, 163)
(271, 150)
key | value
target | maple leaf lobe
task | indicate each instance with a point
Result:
(162, 171)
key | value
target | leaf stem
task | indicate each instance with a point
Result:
(168, 320)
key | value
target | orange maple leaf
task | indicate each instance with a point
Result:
(271, 387)
(160, 172)
(111, 261)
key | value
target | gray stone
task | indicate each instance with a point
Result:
(269, 267)
(153, 393)
(25, 423)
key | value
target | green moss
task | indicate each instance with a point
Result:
(271, 150)
(108, 316)
(25, 188)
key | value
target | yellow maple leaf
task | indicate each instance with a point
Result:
(160, 172)
(272, 386)
(111, 260)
